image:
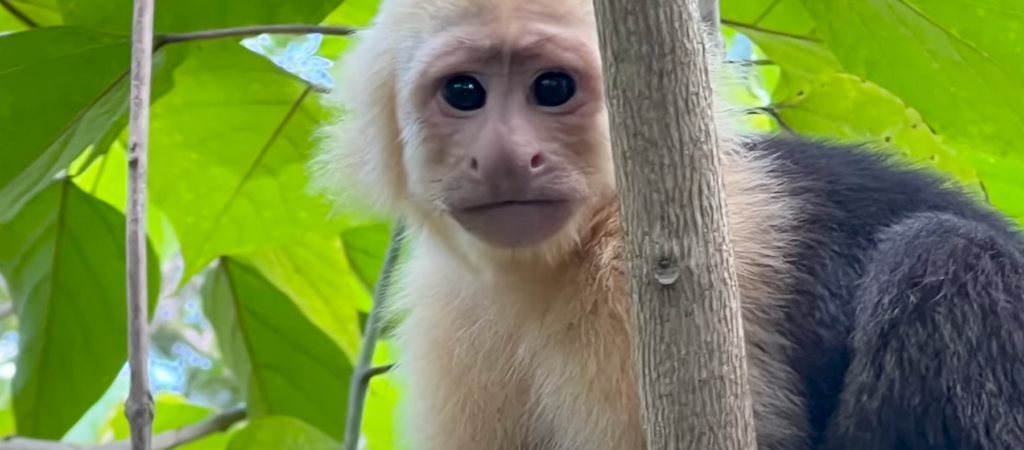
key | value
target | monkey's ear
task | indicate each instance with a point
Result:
(359, 159)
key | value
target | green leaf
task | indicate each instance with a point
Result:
(7, 425)
(972, 97)
(228, 152)
(281, 433)
(8, 22)
(365, 247)
(315, 275)
(41, 12)
(781, 17)
(292, 367)
(1001, 179)
(801, 60)
(192, 15)
(63, 256)
(356, 13)
(60, 90)
(378, 417)
(107, 180)
(847, 108)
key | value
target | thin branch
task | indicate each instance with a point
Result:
(139, 407)
(746, 26)
(164, 441)
(363, 372)
(252, 31)
(28, 22)
(374, 371)
(773, 112)
(184, 435)
(752, 62)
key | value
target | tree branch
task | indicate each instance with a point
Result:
(752, 62)
(139, 406)
(252, 31)
(6, 4)
(363, 372)
(164, 441)
(687, 337)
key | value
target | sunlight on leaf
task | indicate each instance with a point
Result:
(968, 92)
(292, 367)
(316, 276)
(281, 433)
(106, 179)
(228, 152)
(850, 109)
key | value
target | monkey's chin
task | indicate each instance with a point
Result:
(515, 225)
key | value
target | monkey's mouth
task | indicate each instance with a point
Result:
(508, 203)
(515, 223)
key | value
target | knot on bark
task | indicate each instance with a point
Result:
(666, 271)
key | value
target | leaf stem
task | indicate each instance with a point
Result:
(251, 31)
(6, 4)
(746, 26)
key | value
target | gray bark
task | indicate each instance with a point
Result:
(139, 406)
(689, 349)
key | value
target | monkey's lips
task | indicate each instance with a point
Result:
(515, 223)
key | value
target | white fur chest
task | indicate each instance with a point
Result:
(501, 368)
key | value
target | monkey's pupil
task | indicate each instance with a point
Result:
(553, 88)
(464, 93)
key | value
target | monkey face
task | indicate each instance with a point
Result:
(504, 126)
(482, 121)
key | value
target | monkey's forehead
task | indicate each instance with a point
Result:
(439, 14)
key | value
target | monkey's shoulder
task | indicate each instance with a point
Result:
(859, 189)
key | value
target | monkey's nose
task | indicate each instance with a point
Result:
(504, 167)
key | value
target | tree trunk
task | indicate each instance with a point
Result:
(691, 362)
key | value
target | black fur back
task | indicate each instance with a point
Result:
(851, 197)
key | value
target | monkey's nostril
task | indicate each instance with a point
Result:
(536, 161)
(473, 164)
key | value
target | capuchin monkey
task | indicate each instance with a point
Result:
(882, 307)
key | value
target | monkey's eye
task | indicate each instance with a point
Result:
(553, 88)
(464, 93)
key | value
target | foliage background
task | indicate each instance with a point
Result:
(259, 294)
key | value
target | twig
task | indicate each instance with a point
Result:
(6, 4)
(181, 436)
(139, 407)
(374, 371)
(746, 26)
(252, 31)
(752, 62)
(164, 441)
(363, 372)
